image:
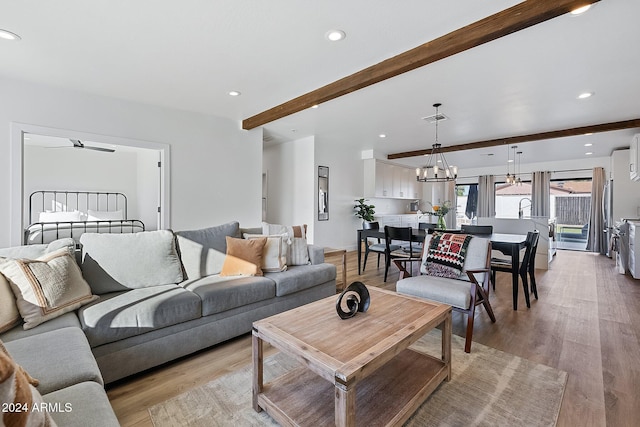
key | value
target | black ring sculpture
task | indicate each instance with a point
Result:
(357, 299)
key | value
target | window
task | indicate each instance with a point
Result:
(571, 207)
(466, 204)
(513, 201)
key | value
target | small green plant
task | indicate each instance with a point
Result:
(363, 210)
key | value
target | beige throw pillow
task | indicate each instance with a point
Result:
(9, 315)
(46, 287)
(244, 257)
(295, 238)
(274, 254)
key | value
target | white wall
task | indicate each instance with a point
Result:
(291, 182)
(215, 166)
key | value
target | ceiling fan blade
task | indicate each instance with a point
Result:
(78, 144)
(106, 150)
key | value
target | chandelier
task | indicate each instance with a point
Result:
(513, 179)
(436, 169)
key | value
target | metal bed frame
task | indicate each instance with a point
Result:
(83, 201)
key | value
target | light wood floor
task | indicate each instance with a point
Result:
(586, 322)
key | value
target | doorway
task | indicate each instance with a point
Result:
(49, 159)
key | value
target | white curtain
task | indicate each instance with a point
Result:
(486, 196)
(541, 194)
(595, 238)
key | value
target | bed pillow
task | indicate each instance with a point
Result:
(9, 315)
(17, 387)
(46, 287)
(105, 215)
(70, 216)
(244, 257)
(274, 254)
(120, 262)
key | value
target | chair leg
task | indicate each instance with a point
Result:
(525, 286)
(470, 318)
(387, 263)
(364, 264)
(486, 303)
(378, 260)
(493, 279)
(532, 276)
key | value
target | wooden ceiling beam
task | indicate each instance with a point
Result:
(604, 127)
(508, 21)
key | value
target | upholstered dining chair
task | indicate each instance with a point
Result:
(463, 291)
(477, 229)
(527, 266)
(380, 248)
(394, 234)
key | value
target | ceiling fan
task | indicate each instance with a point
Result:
(79, 144)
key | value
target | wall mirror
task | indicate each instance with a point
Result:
(323, 193)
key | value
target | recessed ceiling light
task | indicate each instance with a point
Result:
(510, 161)
(588, 153)
(588, 134)
(314, 106)
(382, 135)
(335, 35)
(581, 10)
(234, 93)
(585, 95)
(588, 144)
(8, 35)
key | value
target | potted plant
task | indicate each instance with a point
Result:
(363, 210)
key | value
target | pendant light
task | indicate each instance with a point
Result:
(436, 169)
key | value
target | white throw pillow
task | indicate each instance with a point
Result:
(104, 215)
(70, 216)
(296, 240)
(274, 255)
(46, 287)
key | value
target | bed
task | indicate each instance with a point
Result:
(57, 214)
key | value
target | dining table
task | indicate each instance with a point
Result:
(508, 244)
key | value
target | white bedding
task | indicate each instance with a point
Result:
(48, 232)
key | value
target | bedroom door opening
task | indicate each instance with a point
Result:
(65, 160)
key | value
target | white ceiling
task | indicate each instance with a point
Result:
(189, 54)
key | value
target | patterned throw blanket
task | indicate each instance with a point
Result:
(446, 254)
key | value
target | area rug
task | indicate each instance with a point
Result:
(489, 388)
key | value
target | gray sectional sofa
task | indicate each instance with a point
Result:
(161, 298)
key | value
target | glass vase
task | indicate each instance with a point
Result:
(441, 225)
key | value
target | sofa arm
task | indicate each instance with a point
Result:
(316, 254)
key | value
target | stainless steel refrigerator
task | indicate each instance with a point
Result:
(607, 216)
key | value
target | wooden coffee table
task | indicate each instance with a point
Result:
(358, 369)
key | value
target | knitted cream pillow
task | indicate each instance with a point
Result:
(9, 315)
(46, 287)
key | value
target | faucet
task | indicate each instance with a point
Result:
(520, 206)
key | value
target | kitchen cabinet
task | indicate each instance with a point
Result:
(386, 180)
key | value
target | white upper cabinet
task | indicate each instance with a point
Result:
(383, 179)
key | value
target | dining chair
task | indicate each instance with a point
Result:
(527, 266)
(477, 229)
(379, 247)
(429, 227)
(404, 234)
(463, 292)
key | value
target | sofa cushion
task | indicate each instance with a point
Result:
(58, 359)
(220, 294)
(203, 251)
(244, 257)
(124, 314)
(17, 387)
(65, 321)
(118, 262)
(297, 278)
(46, 287)
(82, 405)
(448, 291)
